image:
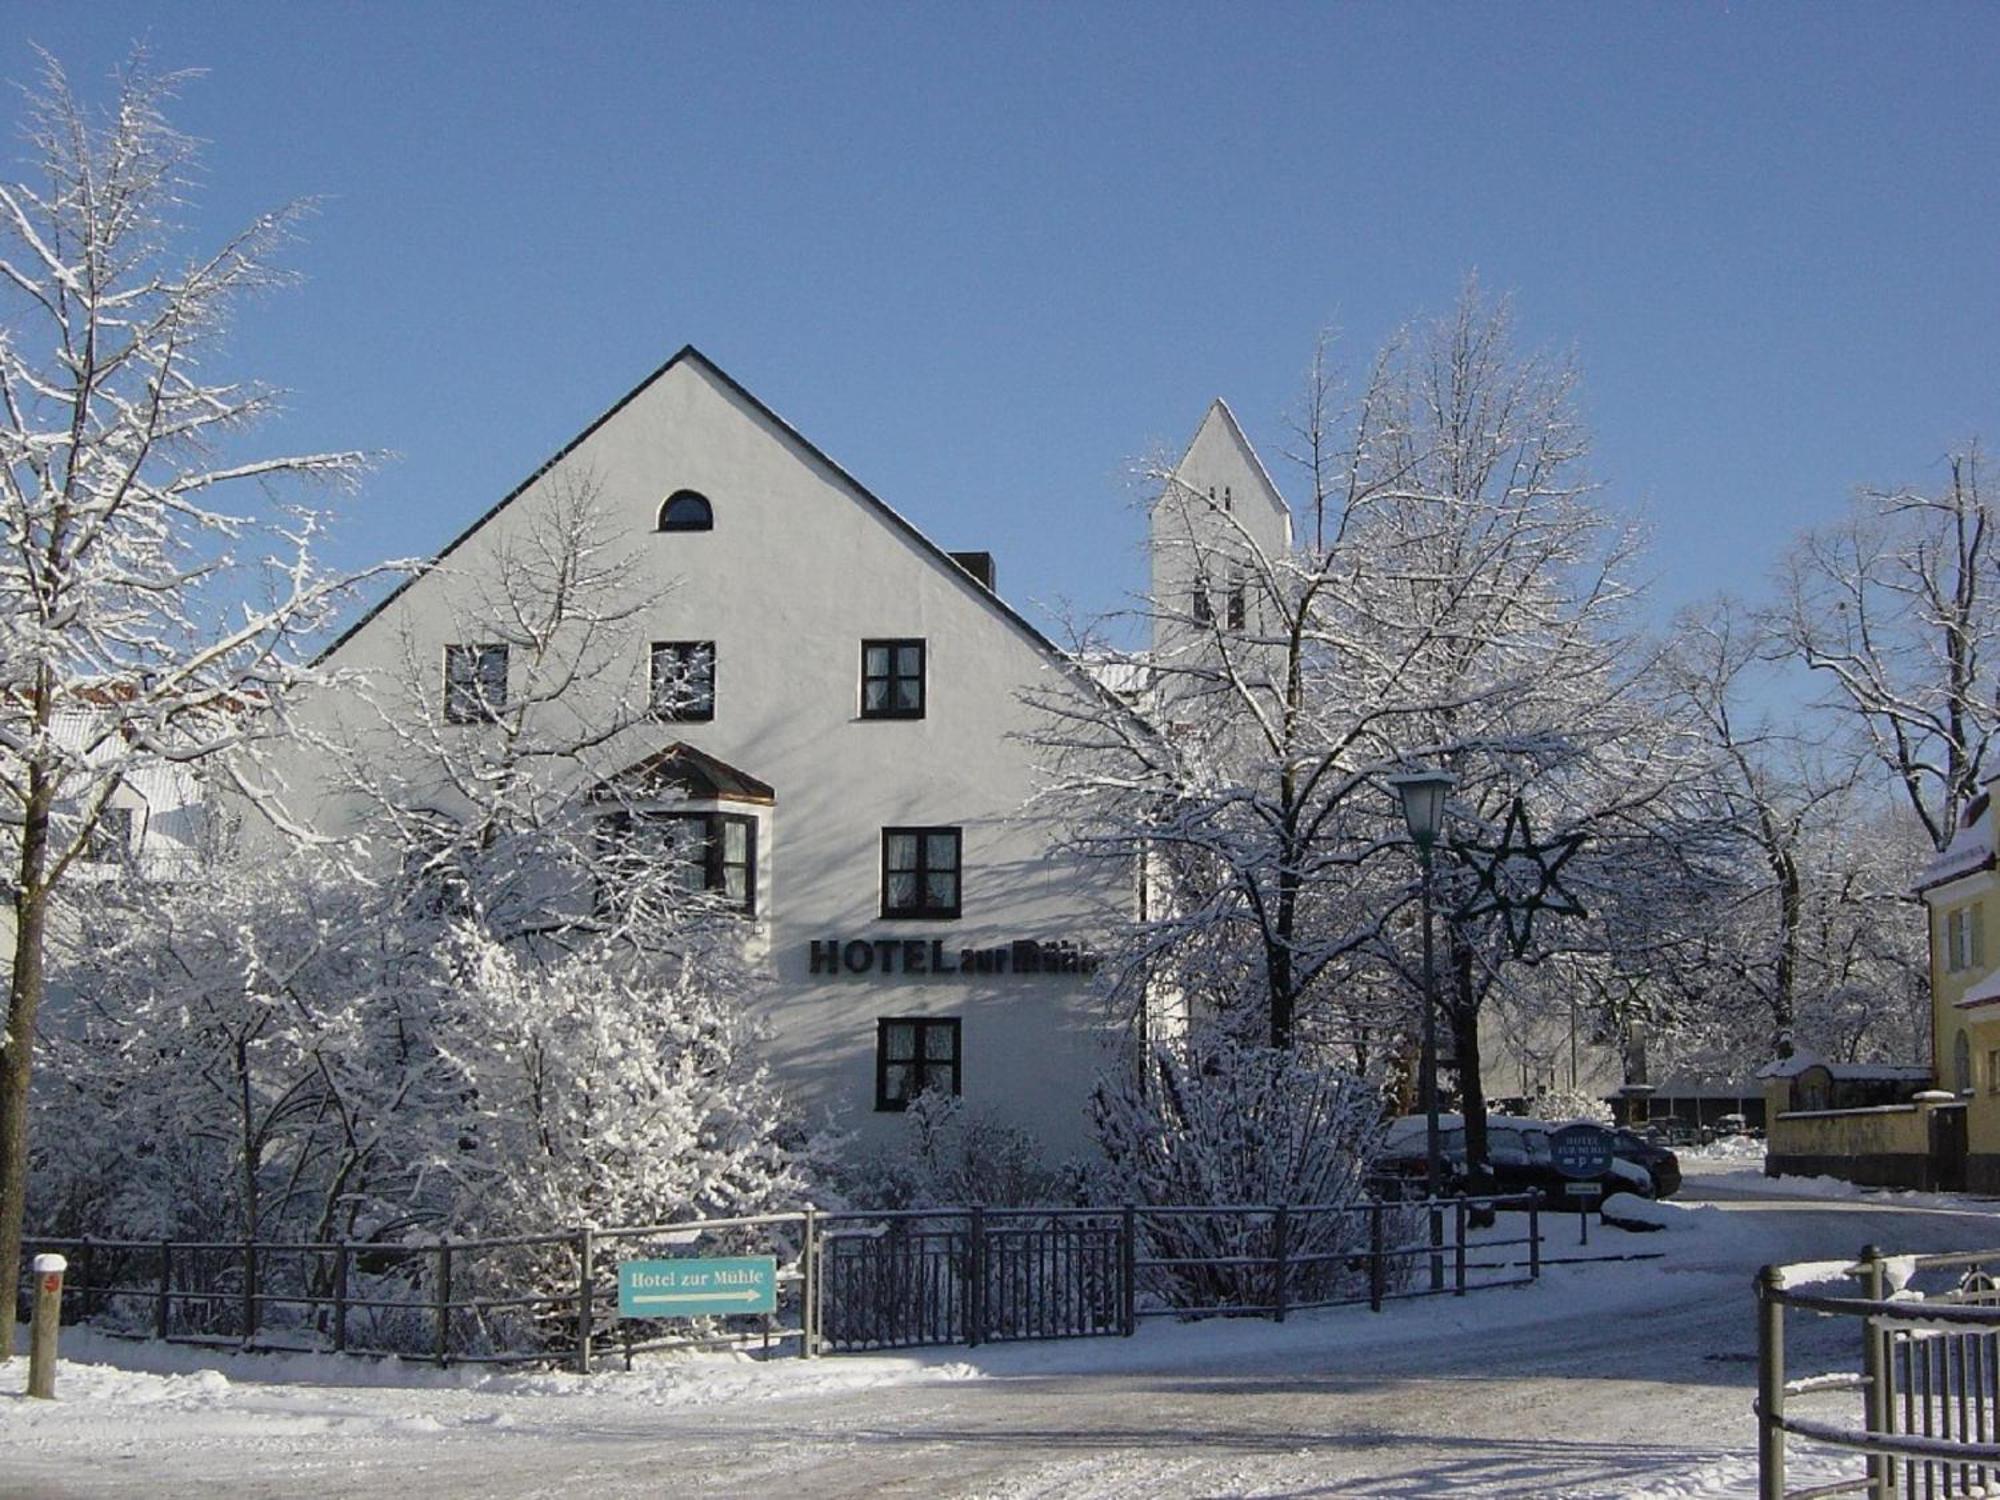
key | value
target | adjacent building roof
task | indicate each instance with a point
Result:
(1799, 1062)
(1970, 849)
(1985, 992)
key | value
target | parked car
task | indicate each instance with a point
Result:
(1658, 1161)
(1517, 1150)
(1669, 1131)
(1403, 1165)
(1523, 1161)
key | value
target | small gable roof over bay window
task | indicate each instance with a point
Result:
(682, 773)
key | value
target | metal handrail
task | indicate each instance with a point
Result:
(1959, 1422)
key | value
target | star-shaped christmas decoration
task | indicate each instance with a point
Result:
(1518, 877)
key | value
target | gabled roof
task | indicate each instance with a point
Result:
(1219, 414)
(681, 771)
(688, 354)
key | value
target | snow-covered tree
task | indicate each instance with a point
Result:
(1812, 906)
(500, 994)
(529, 839)
(1568, 1104)
(606, 1088)
(144, 615)
(1457, 601)
(276, 1051)
(1897, 610)
(241, 1052)
(538, 821)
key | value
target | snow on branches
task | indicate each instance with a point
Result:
(146, 616)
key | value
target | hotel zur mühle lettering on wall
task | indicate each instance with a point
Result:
(848, 753)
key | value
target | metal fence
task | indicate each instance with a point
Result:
(525, 1299)
(1928, 1376)
(846, 1281)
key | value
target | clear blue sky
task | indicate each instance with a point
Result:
(986, 257)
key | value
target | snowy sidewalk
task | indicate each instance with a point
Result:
(1623, 1378)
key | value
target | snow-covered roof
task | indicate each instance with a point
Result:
(1791, 1067)
(1970, 849)
(1983, 993)
(1121, 676)
(1798, 1062)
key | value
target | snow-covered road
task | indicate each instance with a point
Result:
(1605, 1381)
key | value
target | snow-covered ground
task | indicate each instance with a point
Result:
(1621, 1378)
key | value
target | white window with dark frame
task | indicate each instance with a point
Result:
(686, 510)
(912, 1054)
(892, 679)
(475, 683)
(110, 838)
(920, 872)
(1201, 604)
(709, 853)
(682, 684)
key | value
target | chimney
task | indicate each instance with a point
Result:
(979, 565)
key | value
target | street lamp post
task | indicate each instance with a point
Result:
(1423, 794)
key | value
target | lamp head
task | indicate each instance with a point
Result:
(1423, 794)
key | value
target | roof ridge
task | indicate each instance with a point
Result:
(688, 352)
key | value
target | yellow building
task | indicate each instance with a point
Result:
(1915, 1127)
(1962, 894)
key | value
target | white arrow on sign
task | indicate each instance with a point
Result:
(651, 1297)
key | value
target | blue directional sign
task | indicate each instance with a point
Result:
(1581, 1150)
(697, 1288)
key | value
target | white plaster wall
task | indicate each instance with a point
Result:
(798, 570)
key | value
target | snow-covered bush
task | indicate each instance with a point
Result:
(1569, 1104)
(231, 1056)
(1218, 1124)
(603, 1088)
(951, 1155)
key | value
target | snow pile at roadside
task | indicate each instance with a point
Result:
(1838, 1189)
(98, 1370)
(1741, 1149)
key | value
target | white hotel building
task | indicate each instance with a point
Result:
(858, 761)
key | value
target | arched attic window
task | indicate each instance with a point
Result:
(685, 510)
